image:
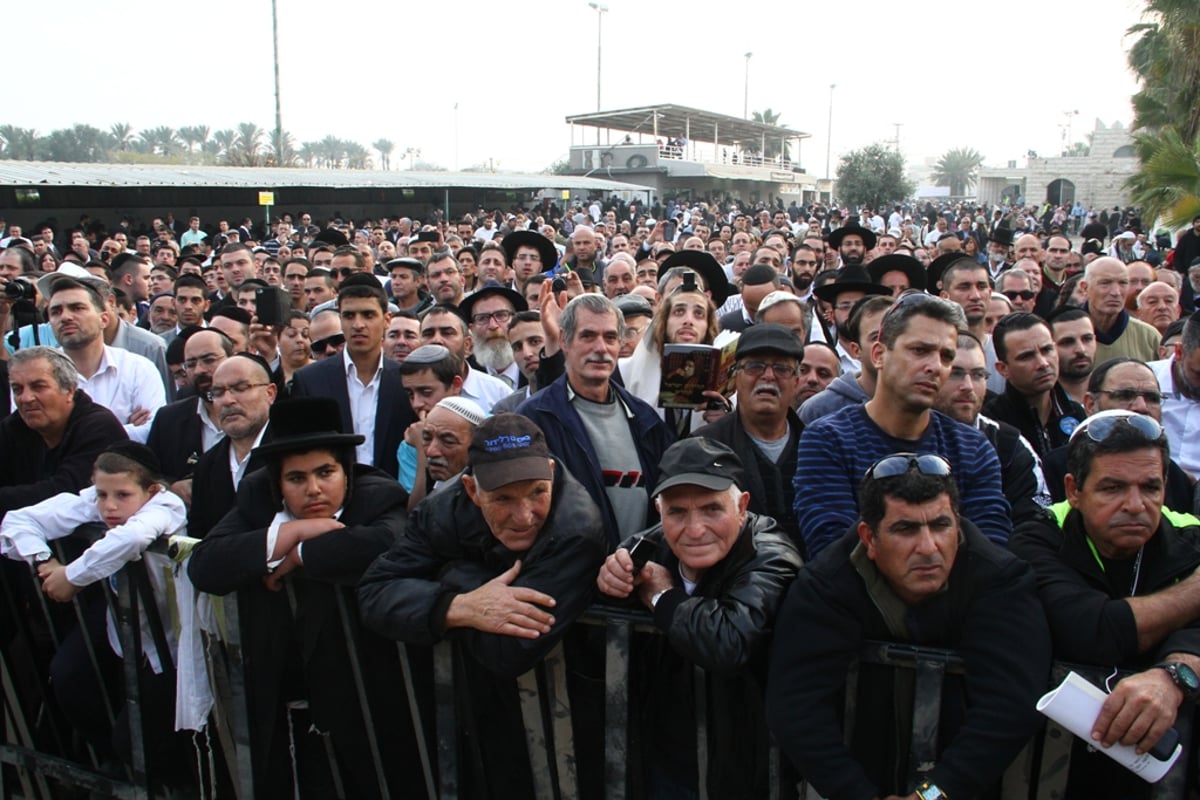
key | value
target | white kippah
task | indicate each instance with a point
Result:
(467, 409)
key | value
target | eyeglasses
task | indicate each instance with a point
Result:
(1129, 395)
(208, 360)
(321, 345)
(237, 390)
(976, 375)
(756, 369)
(1024, 294)
(1101, 426)
(483, 318)
(901, 463)
(632, 333)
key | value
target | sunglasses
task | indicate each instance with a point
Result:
(1024, 294)
(901, 463)
(321, 345)
(343, 272)
(1129, 395)
(1102, 426)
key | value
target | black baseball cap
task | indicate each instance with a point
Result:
(699, 461)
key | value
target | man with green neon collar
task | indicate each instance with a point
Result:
(1117, 577)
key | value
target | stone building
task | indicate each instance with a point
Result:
(1097, 180)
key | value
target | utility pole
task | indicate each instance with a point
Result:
(746, 93)
(278, 112)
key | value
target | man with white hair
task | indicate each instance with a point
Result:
(442, 440)
(1106, 281)
(1158, 305)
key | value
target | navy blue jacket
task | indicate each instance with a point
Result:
(568, 441)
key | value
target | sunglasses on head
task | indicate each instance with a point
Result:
(900, 463)
(321, 345)
(1101, 426)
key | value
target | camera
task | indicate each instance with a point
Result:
(18, 289)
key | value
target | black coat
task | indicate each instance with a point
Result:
(1013, 408)
(213, 493)
(724, 627)
(305, 650)
(393, 414)
(771, 486)
(989, 612)
(177, 438)
(30, 472)
(733, 321)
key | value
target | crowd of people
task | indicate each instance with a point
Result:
(967, 427)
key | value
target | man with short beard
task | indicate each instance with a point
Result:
(1033, 401)
(243, 415)
(489, 310)
(962, 397)
(526, 335)
(186, 429)
(1075, 340)
(852, 243)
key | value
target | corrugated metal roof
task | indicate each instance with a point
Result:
(51, 173)
(673, 121)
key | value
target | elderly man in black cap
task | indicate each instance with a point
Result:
(501, 561)
(851, 285)
(713, 575)
(852, 242)
(489, 310)
(763, 430)
(999, 250)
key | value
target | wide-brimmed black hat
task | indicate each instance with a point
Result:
(898, 262)
(544, 246)
(491, 289)
(1001, 235)
(868, 236)
(706, 266)
(850, 279)
(933, 274)
(331, 236)
(303, 424)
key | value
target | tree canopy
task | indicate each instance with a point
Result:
(958, 169)
(872, 176)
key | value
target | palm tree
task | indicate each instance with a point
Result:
(957, 169)
(357, 156)
(385, 148)
(308, 153)
(223, 141)
(333, 150)
(123, 133)
(1167, 184)
(767, 117)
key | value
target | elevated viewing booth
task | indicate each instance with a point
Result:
(693, 153)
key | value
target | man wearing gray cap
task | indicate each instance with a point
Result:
(713, 574)
(502, 560)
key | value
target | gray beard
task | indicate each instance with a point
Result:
(496, 354)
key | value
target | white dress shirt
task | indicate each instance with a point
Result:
(363, 402)
(478, 386)
(125, 381)
(1180, 419)
(237, 468)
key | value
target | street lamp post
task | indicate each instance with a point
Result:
(829, 135)
(600, 10)
(746, 93)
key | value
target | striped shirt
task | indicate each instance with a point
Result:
(836, 451)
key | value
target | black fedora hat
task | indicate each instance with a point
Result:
(706, 266)
(850, 279)
(1001, 235)
(302, 424)
(868, 236)
(898, 262)
(544, 246)
(933, 275)
(331, 236)
(491, 289)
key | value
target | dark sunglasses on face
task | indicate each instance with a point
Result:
(321, 345)
(1024, 294)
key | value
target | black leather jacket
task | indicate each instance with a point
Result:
(448, 550)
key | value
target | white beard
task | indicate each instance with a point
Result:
(494, 354)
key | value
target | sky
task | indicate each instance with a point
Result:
(471, 82)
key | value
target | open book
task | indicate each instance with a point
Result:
(689, 370)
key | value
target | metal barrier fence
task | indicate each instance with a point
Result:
(40, 760)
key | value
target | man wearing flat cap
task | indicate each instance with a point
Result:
(501, 561)
(763, 429)
(713, 575)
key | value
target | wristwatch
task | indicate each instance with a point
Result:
(1182, 676)
(930, 791)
